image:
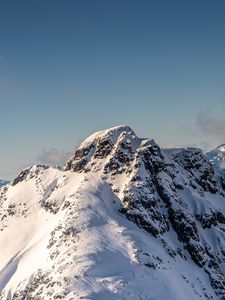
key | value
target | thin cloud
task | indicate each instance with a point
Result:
(53, 157)
(211, 126)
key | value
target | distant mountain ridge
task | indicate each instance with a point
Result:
(3, 182)
(217, 158)
(221, 148)
(124, 220)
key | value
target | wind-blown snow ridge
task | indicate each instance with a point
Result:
(111, 134)
(125, 220)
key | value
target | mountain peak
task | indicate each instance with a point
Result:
(118, 145)
(125, 219)
(111, 133)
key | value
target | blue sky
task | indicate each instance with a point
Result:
(69, 68)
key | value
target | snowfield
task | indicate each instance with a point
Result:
(124, 220)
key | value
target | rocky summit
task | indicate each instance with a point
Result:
(125, 219)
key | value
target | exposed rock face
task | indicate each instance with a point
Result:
(174, 196)
(29, 173)
(163, 188)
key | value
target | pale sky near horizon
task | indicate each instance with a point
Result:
(69, 68)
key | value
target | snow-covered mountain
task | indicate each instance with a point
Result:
(124, 220)
(217, 157)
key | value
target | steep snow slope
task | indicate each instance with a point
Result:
(126, 220)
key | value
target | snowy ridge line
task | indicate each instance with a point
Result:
(124, 220)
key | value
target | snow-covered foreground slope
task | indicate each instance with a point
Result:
(126, 220)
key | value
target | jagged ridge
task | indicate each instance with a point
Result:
(175, 195)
